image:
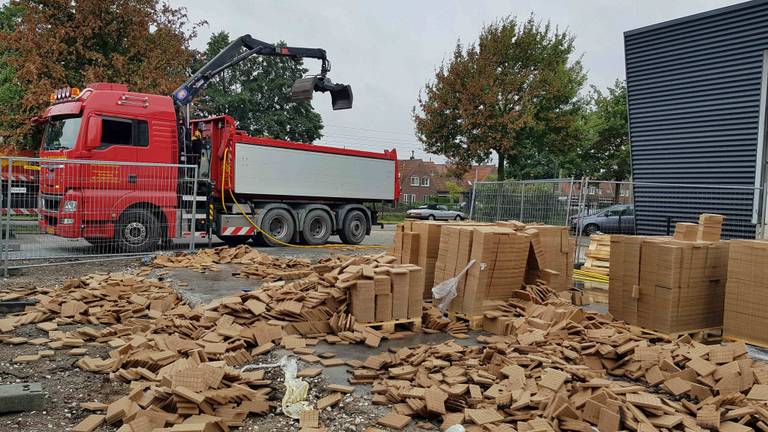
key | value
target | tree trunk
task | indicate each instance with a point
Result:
(500, 169)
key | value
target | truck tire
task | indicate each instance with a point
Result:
(354, 228)
(317, 227)
(137, 231)
(279, 224)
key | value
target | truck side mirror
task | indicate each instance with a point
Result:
(93, 136)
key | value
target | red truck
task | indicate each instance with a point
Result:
(98, 183)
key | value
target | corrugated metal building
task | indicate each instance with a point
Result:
(696, 94)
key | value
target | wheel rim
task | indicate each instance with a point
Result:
(135, 233)
(277, 227)
(317, 228)
(356, 227)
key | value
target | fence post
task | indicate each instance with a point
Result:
(580, 214)
(7, 235)
(568, 205)
(472, 202)
(194, 211)
(498, 200)
(522, 199)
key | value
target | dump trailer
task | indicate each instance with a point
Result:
(134, 170)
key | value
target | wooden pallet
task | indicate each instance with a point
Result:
(474, 322)
(709, 335)
(746, 341)
(412, 324)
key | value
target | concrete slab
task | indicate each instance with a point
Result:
(21, 397)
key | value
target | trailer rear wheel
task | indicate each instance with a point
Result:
(354, 228)
(137, 231)
(317, 227)
(278, 223)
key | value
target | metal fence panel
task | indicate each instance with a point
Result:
(543, 201)
(594, 206)
(76, 210)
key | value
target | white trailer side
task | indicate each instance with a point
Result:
(268, 170)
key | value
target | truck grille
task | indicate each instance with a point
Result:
(51, 203)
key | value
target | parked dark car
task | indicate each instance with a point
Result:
(617, 219)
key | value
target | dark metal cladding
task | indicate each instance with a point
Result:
(694, 105)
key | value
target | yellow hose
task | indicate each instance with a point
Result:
(280, 242)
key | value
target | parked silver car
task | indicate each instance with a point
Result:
(435, 212)
(617, 219)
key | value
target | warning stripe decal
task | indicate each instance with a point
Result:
(20, 211)
(233, 231)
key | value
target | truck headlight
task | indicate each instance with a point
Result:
(67, 221)
(70, 206)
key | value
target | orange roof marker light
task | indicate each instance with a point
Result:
(65, 94)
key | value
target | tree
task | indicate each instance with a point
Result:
(511, 93)
(56, 43)
(603, 153)
(257, 94)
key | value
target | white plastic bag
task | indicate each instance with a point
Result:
(446, 291)
(455, 428)
(296, 390)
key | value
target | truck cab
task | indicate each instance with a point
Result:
(117, 198)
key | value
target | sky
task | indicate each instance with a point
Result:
(388, 50)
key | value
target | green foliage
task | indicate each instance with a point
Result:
(455, 191)
(513, 93)
(603, 150)
(257, 94)
(55, 43)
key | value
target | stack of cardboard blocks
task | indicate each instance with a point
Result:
(709, 229)
(418, 243)
(506, 255)
(670, 285)
(746, 295)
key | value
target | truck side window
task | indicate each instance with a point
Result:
(124, 132)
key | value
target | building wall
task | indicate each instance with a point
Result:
(694, 93)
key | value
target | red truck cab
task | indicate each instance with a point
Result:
(107, 122)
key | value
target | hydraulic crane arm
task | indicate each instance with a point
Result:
(341, 94)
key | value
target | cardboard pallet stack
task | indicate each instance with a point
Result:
(418, 243)
(598, 255)
(507, 255)
(746, 293)
(670, 285)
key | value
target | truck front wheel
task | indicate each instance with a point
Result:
(317, 227)
(354, 228)
(278, 223)
(137, 231)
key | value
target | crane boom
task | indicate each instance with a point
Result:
(232, 54)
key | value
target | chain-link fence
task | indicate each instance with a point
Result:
(80, 210)
(542, 201)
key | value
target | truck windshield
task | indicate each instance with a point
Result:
(61, 133)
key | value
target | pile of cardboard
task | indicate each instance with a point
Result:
(551, 370)
(598, 255)
(746, 293)
(418, 243)
(668, 285)
(708, 229)
(95, 299)
(207, 259)
(507, 256)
